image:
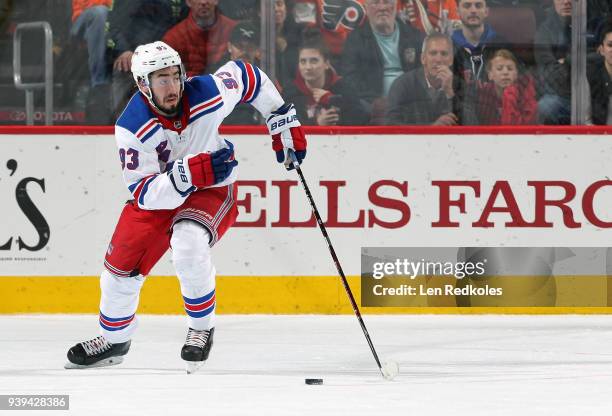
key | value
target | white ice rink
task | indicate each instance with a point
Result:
(449, 365)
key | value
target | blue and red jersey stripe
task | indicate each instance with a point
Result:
(251, 80)
(148, 130)
(140, 188)
(204, 108)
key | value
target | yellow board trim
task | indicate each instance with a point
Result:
(235, 295)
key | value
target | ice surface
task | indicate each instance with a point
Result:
(449, 365)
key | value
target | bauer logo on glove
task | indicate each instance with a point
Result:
(204, 170)
(287, 135)
(280, 123)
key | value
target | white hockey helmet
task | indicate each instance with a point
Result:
(153, 57)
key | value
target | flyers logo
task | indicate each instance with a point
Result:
(348, 13)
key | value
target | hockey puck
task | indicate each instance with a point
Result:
(313, 381)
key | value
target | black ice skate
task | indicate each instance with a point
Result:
(97, 352)
(196, 349)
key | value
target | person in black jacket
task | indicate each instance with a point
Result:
(320, 96)
(598, 13)
(287, 42)
(599, 76)
(552, 56)
(132, 23)
(378, 52)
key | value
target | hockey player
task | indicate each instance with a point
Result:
(180, 173)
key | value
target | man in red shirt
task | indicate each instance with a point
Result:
(201, 38)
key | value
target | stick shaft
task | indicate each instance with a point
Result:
(347, 288)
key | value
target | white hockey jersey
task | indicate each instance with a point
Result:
(149, 143)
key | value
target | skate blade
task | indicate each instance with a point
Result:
(193, 366)
(102, 363)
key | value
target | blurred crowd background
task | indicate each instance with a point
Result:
(341, 62)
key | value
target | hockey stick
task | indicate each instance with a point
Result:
(388, 369)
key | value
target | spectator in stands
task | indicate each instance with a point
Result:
(201, 39)
(6, 9)
(430, 16)
(427, 95)
(598, 13)
(243, 45)
(89, 23)
(378, 52)
(133, 23)
(552, 56)
(599, 76)
(475, 42)
(335, 19)
(321, 97)
(287, 40)
(509, 98)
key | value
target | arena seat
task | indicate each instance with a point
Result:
(518, 26)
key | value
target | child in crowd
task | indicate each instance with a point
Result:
(509, 97)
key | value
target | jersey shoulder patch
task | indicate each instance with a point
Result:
(138, 119)
(203, 96)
